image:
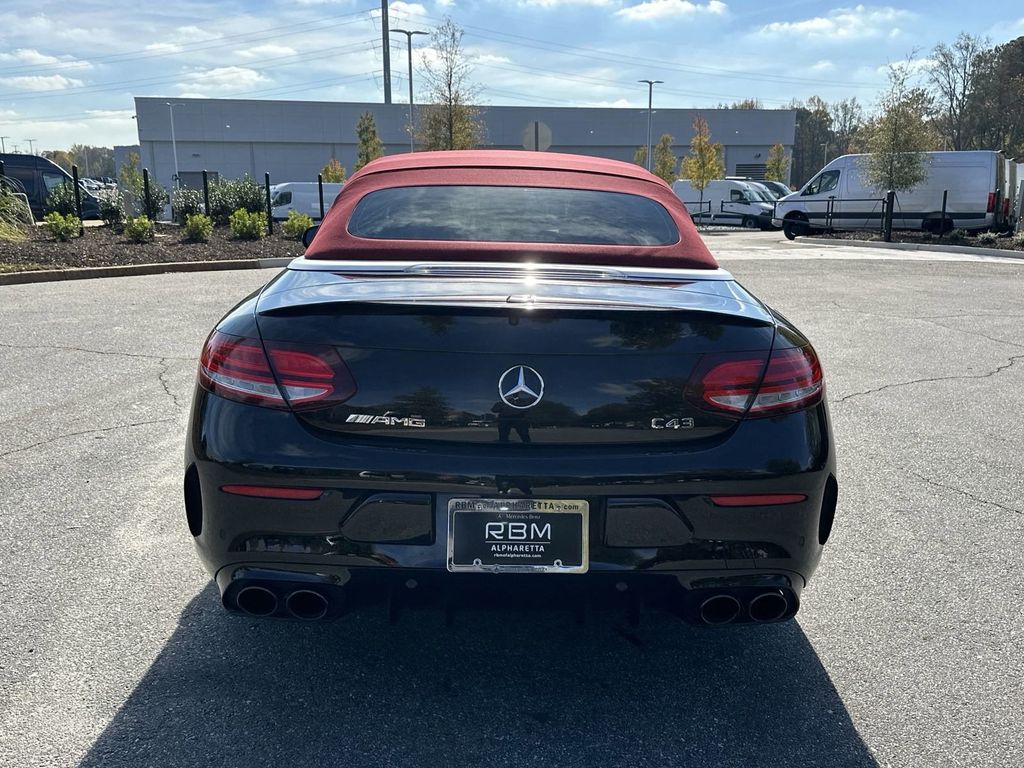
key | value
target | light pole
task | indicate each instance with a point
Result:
(412, 124)
(825, 157)
(174, 143)
(650, 102)
(31, 146)
(3, 144)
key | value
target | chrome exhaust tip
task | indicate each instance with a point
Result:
(719, 609)
(256, 601)
(769, 606)
(306, 604)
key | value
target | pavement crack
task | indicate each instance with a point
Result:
(895, 385)
(962, 492)
(162, 378)
(83, 432)
(93, 351)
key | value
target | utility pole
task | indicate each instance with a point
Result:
(3, 144)
(412, 123)
(387, 50)
(650, 113)
(31, 146)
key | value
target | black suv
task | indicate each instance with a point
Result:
(37, 177)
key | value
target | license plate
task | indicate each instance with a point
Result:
(518, 535)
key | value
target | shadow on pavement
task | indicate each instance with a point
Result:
(500, 688)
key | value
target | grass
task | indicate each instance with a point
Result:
(29, 266)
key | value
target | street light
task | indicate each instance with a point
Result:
(412, 125)
(31, 146)
(3, 144)
(174, 144)
(650, 101)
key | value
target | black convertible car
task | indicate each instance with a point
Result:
(509, 375)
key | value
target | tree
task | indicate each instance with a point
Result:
(61, 157)
(333, 172)
(847, 120)
(704, 163)
(995, 105)
(449, 121)
(93, 161)
(640, 156)
(665, 159)
(897, 138)
(952, 76)
(133, 188)
(813, 138)
(743, 104)
(777, 166)
(370, 147)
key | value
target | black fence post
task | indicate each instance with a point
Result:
(206, 193)
(1, 169)
(270, 211)
(942, 219)
(890, 198)
(78, 200)
(320, 186)
(145, 190)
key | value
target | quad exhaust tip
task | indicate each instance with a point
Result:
(256, 601)
(306, 604)
(769, 606)
(719, 609)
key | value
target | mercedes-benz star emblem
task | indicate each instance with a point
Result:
(521, 387)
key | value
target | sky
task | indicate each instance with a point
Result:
(69, 71)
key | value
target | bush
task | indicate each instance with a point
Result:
(112, 209)
(62, 199)
(61, 226)
(198, 228)
(139, 229)
(187, 202)
(1018, 239)
(958, 235)
(227, 196)
(250, 195)
(158, 198)
(296, 224)
(248, 226)
(14, 216)
(988, 239)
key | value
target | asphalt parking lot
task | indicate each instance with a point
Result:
(909, 649)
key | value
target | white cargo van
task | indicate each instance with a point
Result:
(301, 196)
(726, 202)
(839, 197)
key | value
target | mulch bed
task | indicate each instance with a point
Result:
(101, 247)
(1002, 242)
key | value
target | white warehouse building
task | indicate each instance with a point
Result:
(293, 140)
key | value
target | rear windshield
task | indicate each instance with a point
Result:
(512, 214)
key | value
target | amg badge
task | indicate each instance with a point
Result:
(386, 419)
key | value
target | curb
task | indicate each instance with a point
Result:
(999, 252)
(131, 270)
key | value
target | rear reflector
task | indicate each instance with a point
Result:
(274, 492)
(274, 374)
(758, 500)
(758, 385)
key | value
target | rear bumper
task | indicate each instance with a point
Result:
(653, 530)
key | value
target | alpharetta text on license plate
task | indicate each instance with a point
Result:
(518, 535)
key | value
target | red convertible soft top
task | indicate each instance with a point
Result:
(501, 168)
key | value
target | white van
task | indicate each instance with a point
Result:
(839, 197)
(301, 196)
(726, 202)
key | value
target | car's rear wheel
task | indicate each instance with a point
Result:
(749, 223)
(795, 226)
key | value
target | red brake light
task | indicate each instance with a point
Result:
(296, 376)
(758, 500)
(758, 385)
(274, 492)
(991, 202)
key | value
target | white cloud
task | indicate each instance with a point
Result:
(557, 3)
(824, 65)
(33, 57)
(221, 78)
(266, 51)
(664, 9)
(444, 3)
(489, 58)
(855, 23)
(193, 34)
(163, 48)
(41, 82)
(618, 104)
(914, 66)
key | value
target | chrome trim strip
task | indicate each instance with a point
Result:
(494, 269)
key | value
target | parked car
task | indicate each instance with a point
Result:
(301, 196)
(37, 177)
(772, 190)
(778, 189)
(974, 183)
(726, 202)
(497, 371)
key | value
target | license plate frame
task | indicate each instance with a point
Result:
(513, 530)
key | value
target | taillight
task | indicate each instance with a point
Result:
(991, 202)
(1006, 208)
(758, 385)
(274, 374)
